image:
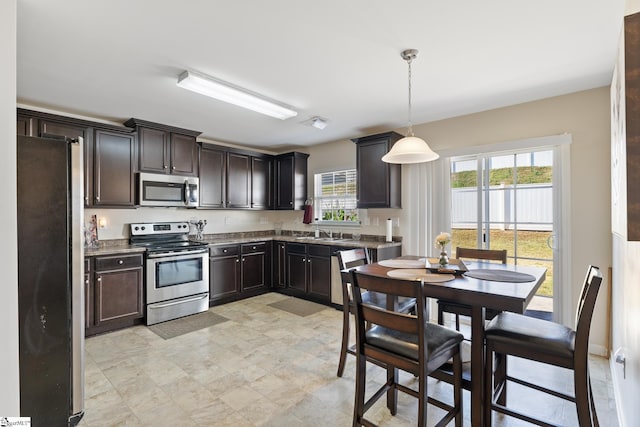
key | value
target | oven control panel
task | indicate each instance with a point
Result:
(150, 228)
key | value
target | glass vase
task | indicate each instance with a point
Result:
(444, 258)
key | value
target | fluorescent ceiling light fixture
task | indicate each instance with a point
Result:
(232, 94)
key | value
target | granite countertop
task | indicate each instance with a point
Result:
(113, 248)
(122, 246)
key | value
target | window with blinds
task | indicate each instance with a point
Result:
(335, 196)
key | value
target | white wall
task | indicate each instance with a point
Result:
(626, 312)
(9, 374)
(585, 115)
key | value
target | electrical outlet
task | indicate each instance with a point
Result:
(227, 220)
(396, 222)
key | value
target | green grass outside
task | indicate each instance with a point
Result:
(531, 244)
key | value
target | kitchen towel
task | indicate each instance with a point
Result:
(308, 214)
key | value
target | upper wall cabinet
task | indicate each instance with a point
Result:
(234, 179)
(290, 181)
(109, 154)
(378, 183)
(165, 149)
(113, 165)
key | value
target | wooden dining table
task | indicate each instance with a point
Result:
(480, 294)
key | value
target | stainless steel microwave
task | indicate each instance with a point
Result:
(167, 190)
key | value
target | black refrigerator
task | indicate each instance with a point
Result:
(50, 280)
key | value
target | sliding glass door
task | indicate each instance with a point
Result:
(506, 201)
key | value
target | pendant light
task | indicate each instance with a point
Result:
(410, 149)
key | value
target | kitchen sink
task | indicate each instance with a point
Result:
(322, 239)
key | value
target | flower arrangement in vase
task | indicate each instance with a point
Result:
(442, 240)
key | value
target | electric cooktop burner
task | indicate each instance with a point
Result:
(163, 236)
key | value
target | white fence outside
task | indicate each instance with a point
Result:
(531, 207)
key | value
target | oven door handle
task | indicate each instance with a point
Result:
(182, 301)
(185, 253)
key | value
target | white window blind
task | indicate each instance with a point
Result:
(335, 196)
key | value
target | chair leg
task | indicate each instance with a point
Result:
(488, 386)
(361, 377)
(345, 340)
(440, 315)
(457, 388)
(581, 386)
(501, 377)
(457, 322)
(392, 393)
(422, 400)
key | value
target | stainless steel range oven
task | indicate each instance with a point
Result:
(176, 270)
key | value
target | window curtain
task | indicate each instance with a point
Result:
(430, 197)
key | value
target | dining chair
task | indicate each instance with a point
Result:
(348, 259)
(402, 341)
(545, 342)
(458, 309)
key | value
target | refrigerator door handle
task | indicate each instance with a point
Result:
(77, 283)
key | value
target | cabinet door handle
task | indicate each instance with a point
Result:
(173, 168)
(99, 279)
(242, 259)
(120, 262)
(224, 250)
(237, 261)
(165, 166)
(97, 198)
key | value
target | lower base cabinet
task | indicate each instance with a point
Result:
(309, 270)
(115, 296)
(238, 271)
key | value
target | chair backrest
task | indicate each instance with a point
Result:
(484, 254)
(368, 314)
(584, 312)
(353, 258)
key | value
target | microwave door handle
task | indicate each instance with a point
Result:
(187, 192)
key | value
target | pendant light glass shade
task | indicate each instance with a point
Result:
(410, 149)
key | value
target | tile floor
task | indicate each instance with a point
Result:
(266, 367)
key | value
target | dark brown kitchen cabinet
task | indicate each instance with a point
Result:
(290, 181)
(309, 270)
(108, 168)
(261, 182)
(238, 181)
(113, 166)
(280, 265)
(255, 266)
(296, 264)
(319, 260)
(165, 149)
(239, 270)
(25, 126)
(234, 179)
(153, 150)
(378, 183)
(224, 272)
(117, 292)
(213, 172)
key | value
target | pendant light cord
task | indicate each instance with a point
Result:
(410, 132)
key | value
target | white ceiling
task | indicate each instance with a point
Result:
(338, 59)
